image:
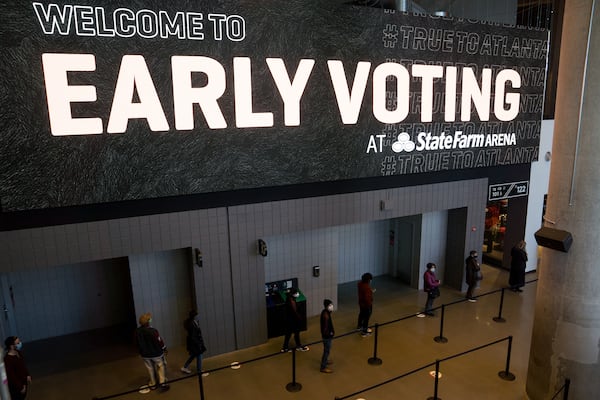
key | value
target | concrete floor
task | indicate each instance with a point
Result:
(63, 369)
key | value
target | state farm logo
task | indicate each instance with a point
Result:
(426, 141)
(403, 144)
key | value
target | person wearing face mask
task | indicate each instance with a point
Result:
(327, 333)
(153, 350)
(293, 321)
(431, 286)
(16, 371)
(194, 342)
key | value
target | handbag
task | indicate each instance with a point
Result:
(434, 292)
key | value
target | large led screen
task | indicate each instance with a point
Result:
(122, 100)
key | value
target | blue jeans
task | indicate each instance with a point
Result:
(326, 350)
(198, 362)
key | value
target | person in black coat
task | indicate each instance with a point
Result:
(194, 342)
(17, 375)
(293, 321)
(327, 333)
(518, 263)
(473, 274)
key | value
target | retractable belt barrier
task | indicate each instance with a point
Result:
(295, 386)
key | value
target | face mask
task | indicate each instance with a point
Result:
(19, 346)
(330, 308)
(295, 295)
(432, 270)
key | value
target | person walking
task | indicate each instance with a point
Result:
(152, 349)
(431, 286)
(327, 333)
(472, 274)
(518, 264)
(194, 342)
(293, 320)
(365, 304)
(16, 371)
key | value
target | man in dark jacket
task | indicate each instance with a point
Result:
(17, 374)
(152, 349)
(293, 321)
(327, 333)
(194, 342)
(473, 273)
(365, 304)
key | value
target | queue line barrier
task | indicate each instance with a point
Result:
(295, 386)
(505, 374)
(564, 390)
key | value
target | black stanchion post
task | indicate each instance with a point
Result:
(201, 384)
(293, 386)
(374, 360)
(436, 382)
(506, 374)
(441, 338)
(499, 317)
(566, 391)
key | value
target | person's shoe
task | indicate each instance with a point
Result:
(164, 387)
(186, 370)
(326, 370)
(369, 330)
(472, 300)
(153, 387)
(303, 348)
(205, 374)
(420, 315)
(431, 314)
(365, 334)
(284, 350)
(518, 290)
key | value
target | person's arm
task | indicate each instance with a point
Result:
(325, 325)
(433, 282)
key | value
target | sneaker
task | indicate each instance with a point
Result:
(164, 387)
(472, 300)
(326, 370)
(303, 348)
(430, 314)
(365, 334)
(186, 370)
(369, 330)
(284, 350)
(420, 315)
(205, 374)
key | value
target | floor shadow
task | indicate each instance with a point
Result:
(79, 350)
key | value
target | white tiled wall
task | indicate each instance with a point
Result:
(161, 284)
(433, 243)
(343, 254)
(363, 248)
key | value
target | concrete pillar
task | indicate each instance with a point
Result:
(566, 330)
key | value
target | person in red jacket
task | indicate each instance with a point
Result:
(430, 283)
(365, 304)
(152, 350)
(16, 370)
